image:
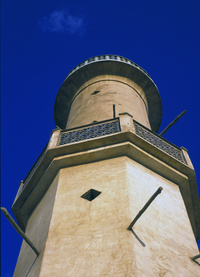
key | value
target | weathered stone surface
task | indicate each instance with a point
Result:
(90, 238)
(88, 106)
(121, 69)
(28, 263)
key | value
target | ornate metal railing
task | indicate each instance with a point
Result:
(104, 129)
(159, 142)
(94, 131)
(108, 58)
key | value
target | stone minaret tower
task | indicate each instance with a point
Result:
(101, 165)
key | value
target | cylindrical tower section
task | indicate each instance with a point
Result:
(103, 87)
(106, 96)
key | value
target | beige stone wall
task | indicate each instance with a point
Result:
(28, 263)
(94, 101)
(164, 228)
(91, 238)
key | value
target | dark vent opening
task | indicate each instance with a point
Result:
(91, 194)
(95, 92)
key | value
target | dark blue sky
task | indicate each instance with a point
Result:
(42, 41)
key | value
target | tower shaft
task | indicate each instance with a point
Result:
(95, 99)
(95, 175)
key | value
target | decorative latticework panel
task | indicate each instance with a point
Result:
(94, 131)
(159, 142)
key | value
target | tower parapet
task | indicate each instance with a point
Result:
(92, 88)
(96, 173)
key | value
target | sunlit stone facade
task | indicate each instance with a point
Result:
(102, 164)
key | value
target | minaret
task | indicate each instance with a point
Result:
(102, 164)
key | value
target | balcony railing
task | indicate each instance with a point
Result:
(107, 58)
(94, 131)
(159, 142)
(102, 129)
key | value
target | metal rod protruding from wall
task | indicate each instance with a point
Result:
(19, 230)
(114, 111)
(145, 207)
(172, 123)
(195, 257)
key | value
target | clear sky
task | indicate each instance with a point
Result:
(42, 41)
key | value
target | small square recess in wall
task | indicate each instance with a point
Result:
(91, 194)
